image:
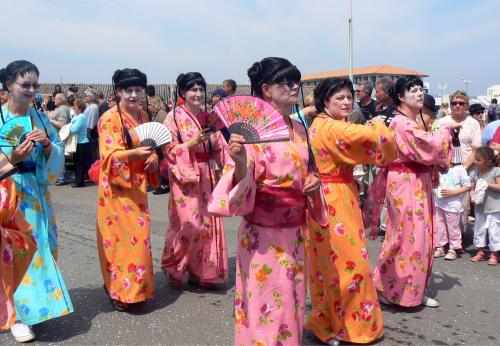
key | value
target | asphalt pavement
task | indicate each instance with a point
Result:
(469, 294)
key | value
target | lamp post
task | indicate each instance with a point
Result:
(466, 82)
(350, 41)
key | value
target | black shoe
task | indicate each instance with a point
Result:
(61, 182)
(77, 185)
(161, 191)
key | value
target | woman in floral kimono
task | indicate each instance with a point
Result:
(42, 294)
(16, 246)
(195, 243)
(123, 221)
(267, 184)
(344, 300)
(405, 261)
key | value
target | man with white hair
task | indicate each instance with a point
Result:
(92, 114)
(60, 117)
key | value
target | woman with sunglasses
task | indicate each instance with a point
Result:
(404, 264)
(470, 139)
(267, 184)
(40, 158)
(195, 244)
(123, 220)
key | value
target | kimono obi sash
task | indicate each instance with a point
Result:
(409, 167)
(26, 167)
(278, 207)
(202, 156)
(339, 178)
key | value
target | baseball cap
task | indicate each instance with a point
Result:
(475, 107)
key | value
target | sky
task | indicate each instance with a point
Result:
(86, 41)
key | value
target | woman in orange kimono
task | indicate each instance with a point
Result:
(123, 221)
(344, 300)
(16, 247)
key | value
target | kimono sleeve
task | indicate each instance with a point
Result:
(182, 166)
(229, 199)
(426, 148)
(49, 168)
(115, 164)
(353, 144)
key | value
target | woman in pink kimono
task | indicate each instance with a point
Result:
(195, 244)
(267, 183)
(404, 264)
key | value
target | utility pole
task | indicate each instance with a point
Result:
(350, 41)
(466, 82)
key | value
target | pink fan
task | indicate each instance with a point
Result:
(256, 120)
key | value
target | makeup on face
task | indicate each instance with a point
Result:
(23, 89)
(195, 95)
(131, 96)
(414, 97)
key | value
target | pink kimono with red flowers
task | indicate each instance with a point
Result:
(270, 282)
(195, 243)
(405, 261)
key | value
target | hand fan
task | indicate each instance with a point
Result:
(153, 134)
(253, 118)
(14, 131)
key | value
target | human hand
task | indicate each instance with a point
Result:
(151, 163)
(22, 152)
(237, 150)
(201, 137)
(39, 136)
(447, 192)
(311, 184)
(141, 152)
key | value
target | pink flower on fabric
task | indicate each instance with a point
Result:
(108, 141)
(319, 275)
(133, 240)
(364, 254)
(105, 183)
(107, 244)
(361, 234)
(340, 229)
(269, 154)
(140, 270)
(367, 306)
(109, 222)
(141, 222)
(116, 164)
(147, 243)
(339, 310)
(7, 255)
(335, 283)
(127, 208)
(332, 256)
(265, 309)
(126, 283)
(343, 145)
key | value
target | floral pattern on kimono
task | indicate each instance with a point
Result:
(17, 247)
(270, 280)
(195, 242)
(42, 294)
(344, 300)
(123, 220)
(404, 264)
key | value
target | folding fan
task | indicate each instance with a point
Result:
(456, 151)
(256, 120)
(13, 132)
(153, 134)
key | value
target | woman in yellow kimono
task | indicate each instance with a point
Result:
(344, 300)
(123, 221)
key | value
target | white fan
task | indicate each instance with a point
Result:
(153, 134)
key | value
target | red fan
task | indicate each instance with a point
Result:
(256, 120)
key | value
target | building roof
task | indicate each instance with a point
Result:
(359, 71)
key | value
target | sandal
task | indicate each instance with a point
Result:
(493, 261)
(117, 305)
(478, 257)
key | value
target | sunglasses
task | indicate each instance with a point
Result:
(458, 103)
(291, 84)
(476, 112)
(28, 86)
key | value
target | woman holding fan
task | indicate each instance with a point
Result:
(344, 299)
(195, 243)
(267, 184)
(123, 221)
(43, 294)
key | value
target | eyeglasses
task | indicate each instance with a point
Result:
(458, 103)
(28, 86)
(291, 84)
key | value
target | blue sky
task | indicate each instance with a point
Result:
(85, 41)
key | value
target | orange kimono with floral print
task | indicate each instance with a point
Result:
(17, 248)
(344, 300)
(123, 221)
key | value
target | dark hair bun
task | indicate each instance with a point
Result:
(129, 77)
(255, 71)
(186, 81)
